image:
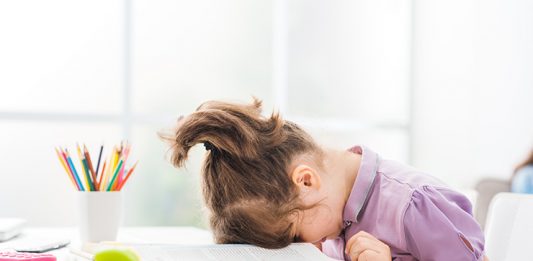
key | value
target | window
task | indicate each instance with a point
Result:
(127, 69)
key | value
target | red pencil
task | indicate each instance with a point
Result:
(127, 176)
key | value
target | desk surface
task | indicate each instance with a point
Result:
(143, 235)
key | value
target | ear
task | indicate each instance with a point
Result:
(306, 177)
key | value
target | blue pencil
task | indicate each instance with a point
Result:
(74, 170)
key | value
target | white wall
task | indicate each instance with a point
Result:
(344, 68)
(473, 83)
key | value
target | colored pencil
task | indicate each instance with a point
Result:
(100, 187)
(127, 176)
(114, 176)
(111, 176)
(64, 164)
(120, 177)
(90, 163)
(74, 170)
(110, 167)
(85, 169)
(99, 158)
(85, 174)
(74, 175)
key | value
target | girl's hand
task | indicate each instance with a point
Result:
(365, 247)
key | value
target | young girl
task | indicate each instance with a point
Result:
(266, 182)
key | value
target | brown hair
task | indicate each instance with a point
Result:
(245, 178)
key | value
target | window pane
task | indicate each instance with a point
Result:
(159, 193)
(34, 184)
(61, 55)
(349, 59)
(391, 144)
(186, 52)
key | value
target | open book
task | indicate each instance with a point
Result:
(237, 252)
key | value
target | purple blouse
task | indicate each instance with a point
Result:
(416, 215)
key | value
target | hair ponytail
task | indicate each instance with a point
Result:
(245, 179)
(226, 127)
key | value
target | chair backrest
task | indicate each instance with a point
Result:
(486, 189)
(509, 227)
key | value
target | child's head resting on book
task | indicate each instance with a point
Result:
(263, 177)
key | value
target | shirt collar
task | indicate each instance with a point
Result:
(362, 185)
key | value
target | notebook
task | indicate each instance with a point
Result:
(10, 227)
(237, 252)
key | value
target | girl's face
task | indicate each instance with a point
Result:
(326, 188)
(317, 224)
(324, 220)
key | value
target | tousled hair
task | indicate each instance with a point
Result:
(245, 177)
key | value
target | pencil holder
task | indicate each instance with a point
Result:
(100, 215)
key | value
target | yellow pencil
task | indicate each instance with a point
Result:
(109, 169)
(66, 168)
(116, 157)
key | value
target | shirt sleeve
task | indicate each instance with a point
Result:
(439, 226)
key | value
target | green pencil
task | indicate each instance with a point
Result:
(114, 175)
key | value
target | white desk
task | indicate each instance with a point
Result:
(146, 235)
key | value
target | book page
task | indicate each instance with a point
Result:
(297, 251)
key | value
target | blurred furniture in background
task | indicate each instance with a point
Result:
(508, 229)
(486, 189)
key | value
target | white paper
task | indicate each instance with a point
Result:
(296, 251)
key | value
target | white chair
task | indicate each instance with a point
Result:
(487, 188)
(509, 227)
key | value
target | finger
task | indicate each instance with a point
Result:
(357, 236)
(364, 244)
(367, 256)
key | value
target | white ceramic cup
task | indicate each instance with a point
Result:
(100, 215)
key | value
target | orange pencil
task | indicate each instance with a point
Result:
(127, 176)
(101, 175)
(89, 162)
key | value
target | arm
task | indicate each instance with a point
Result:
(439, 226)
